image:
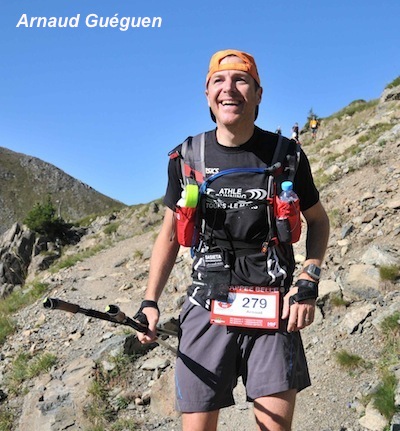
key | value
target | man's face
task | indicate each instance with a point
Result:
(232, 96)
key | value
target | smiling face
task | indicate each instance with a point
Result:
(233, 96)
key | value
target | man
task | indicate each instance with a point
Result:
(295, 132)
(314, 127)
(212, 356)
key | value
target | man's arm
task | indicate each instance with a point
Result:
(162, 261)
(302, 314)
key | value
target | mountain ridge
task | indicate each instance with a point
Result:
(26, 180)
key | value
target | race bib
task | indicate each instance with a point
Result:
(248, 307)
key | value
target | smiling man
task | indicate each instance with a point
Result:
(243, 315)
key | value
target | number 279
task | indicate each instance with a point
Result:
(254, 302)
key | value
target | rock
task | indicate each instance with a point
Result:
(354, 318)
(373, 420)
(163, 395)
(362, 282)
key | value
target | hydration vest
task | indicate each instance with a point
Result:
(218, 264)
(283, 168)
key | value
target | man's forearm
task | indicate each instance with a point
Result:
(163, 258)
(317, 235)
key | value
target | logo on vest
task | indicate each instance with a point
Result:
(212, 171)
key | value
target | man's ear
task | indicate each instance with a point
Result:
(259, 94)
(208, 101)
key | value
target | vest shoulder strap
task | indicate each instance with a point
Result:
(287, 153)
(193, 158)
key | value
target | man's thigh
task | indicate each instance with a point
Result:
(205, 421)
(275, 412)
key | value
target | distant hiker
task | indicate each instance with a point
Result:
(314, 127)
(295, 132)
(243, 314)
(278, 131)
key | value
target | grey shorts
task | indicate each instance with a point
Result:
(212, 357)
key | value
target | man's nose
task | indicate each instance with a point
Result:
(229, 85)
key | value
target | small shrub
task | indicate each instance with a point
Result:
(138, 254)
(374, 132)
(338, 301)
(391, 325)
(384, 397)
(111, 228)
(25, 367)
(353, 108)
(69, 261)
(6, 419)
(14, 302)
(389, 272)
(7, 327)
(348, 360)
(394, 83)
(335, 217)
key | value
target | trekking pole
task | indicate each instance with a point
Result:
(113, 314)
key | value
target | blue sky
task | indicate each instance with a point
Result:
(106, 105)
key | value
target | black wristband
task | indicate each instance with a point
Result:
(306, 290)
(149, 303)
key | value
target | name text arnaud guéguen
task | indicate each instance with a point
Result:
(92, 21)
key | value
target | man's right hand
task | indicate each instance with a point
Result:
(152, 315)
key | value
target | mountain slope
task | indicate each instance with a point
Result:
(26, 180)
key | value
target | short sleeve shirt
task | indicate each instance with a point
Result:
(231, 214)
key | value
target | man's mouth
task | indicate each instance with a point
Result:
(230, 103)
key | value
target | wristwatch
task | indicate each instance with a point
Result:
(313, 271)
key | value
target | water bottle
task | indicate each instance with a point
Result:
(288, 221)
(185, 213)
(288, 194)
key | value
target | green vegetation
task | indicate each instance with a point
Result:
(389, 272)
(391, 326)
(353, 108)
(14, 302)
(42, 219)
(384, 397)
(394, 83)
(6, 419)
(349, 361)
(338, 301)
(100, 411)
(335, 218)
(26, 367)
(374, 132)
(138, 254)
(68, 261)
(111, 228)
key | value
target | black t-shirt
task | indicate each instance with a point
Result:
(231, 214)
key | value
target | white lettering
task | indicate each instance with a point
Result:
(114, 21)
(91, 20)
(123, 23)
(211, 171)
(23, 21)
(51, 22)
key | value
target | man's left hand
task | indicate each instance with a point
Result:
(300, 314)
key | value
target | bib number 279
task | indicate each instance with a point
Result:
(249, 307)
